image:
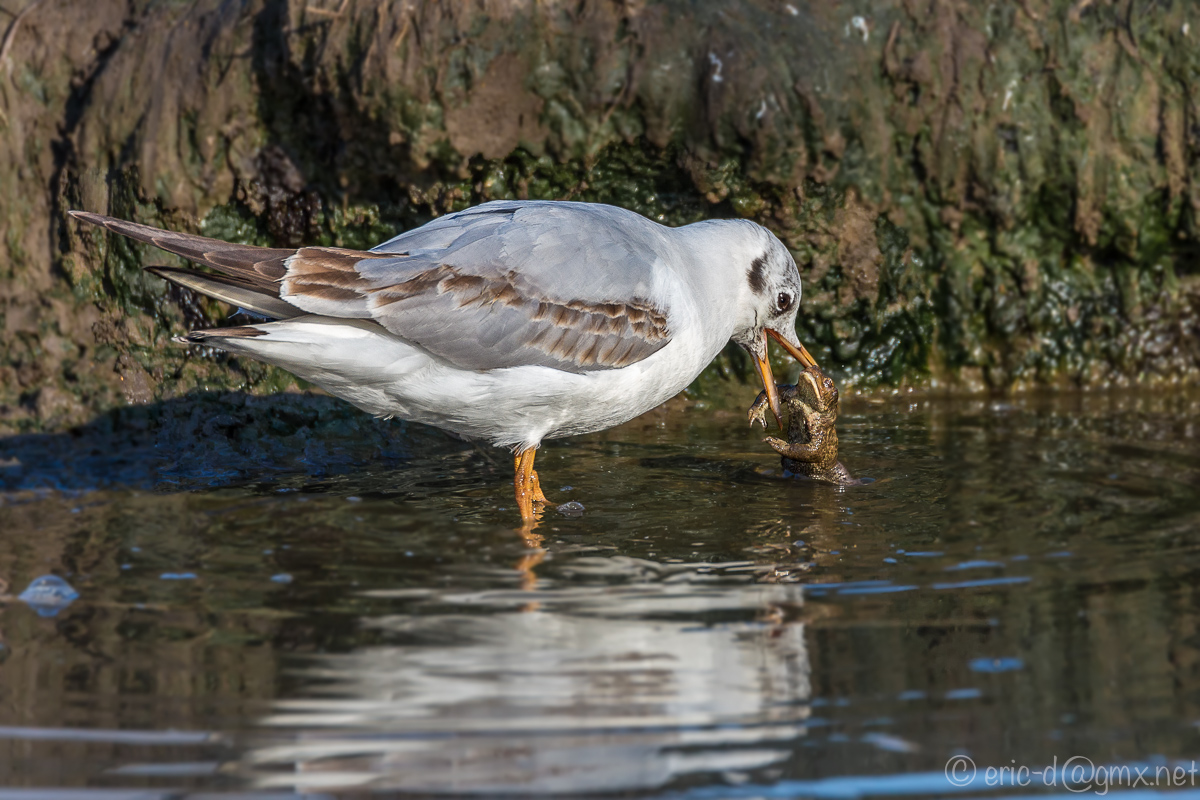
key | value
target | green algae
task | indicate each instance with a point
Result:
(1005, 305)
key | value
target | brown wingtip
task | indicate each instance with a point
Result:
(144, 233)
(124, 227)
(87, 216)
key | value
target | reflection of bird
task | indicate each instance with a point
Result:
(605, 690)
(512, 321)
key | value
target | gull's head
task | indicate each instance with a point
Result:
(770, 299)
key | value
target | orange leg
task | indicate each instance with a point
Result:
(538, 497)
(525, 483)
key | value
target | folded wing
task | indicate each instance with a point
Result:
(563, 285)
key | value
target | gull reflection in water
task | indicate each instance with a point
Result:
(603, 688)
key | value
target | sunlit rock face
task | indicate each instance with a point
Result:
(978, 195)
(594, 690)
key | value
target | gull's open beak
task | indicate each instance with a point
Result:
(768, 380)
(794, 348)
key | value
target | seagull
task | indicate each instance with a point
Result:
(513, 321)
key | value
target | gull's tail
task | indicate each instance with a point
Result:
(245, 276)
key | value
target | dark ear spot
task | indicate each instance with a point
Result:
(757, 274)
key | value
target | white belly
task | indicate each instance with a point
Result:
(513, 407)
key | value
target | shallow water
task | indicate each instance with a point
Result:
(348, 605)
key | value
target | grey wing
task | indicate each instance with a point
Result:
(563, 285)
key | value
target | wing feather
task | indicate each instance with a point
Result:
(229, 289)
(564, 285)
(261, 267)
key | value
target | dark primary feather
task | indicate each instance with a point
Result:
(229, 289)
(260, 267)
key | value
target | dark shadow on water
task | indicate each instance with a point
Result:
(741, 472)
(215, 439)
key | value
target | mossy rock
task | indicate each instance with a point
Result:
(979, 196)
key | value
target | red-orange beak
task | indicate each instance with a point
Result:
(763, 365)
(796, 351)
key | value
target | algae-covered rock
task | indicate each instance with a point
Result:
(995, 195)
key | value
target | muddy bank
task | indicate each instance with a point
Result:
(979, 196)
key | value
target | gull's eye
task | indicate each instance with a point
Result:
(784, 301)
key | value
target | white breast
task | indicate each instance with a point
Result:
(517, 406)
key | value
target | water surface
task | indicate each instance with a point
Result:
(334, 604)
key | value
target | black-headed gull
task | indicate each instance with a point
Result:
(513, 321)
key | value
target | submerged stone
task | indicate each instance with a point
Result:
(572, 508)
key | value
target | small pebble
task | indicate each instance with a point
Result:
(178, 576)
(48, 595)
(571, 509)
(282, 577)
